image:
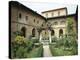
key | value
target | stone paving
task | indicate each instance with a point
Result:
(46, 51)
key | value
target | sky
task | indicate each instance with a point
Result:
(44, 6)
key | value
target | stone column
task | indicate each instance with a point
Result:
(50, 36)
(40, 37)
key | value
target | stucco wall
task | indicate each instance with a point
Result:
(17, 23)
(58, 26)
(55, 13)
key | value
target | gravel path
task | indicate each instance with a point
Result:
(46, 51)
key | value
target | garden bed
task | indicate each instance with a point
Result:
(61, 51)
(64, 47)
(36, 52)
(21, 48)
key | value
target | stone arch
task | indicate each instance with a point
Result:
(33, 32)
(60, 32)
(23, 30)
(52, 32)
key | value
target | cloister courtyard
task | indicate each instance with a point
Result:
(54, 33)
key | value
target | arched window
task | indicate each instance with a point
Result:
(60, 32)
(33, 32)
(55, 23)
(52, 32)
(23, 30)
(20, 15)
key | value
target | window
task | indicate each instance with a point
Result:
(45, 32)
(55, 23)
(52, 14)
(26, 17)
(20, 16)
(46, 15)
(23, 30)
(52, 32)
(34, 20)
(37, 21)
(42, 25)
(60, 32)
(62, 22)
(58, 13)
(33, 32)
(48, 24)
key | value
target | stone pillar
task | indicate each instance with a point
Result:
(40, 37)
(50, 36)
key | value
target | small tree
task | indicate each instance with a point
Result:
(71, 33)
(70, 28)
(69, 25)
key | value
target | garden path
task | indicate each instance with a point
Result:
(46, 51)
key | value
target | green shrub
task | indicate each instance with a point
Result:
(19, 40)
(37, 52)
(75, 51)
(67, 42)
(54, 39)
(21, 48)
(70, 42)
(29, 45)
(35, 40)
(18, 47)
(60, 51)
(65, 46)
(21, 52)
(60, 42)
(17, 33)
